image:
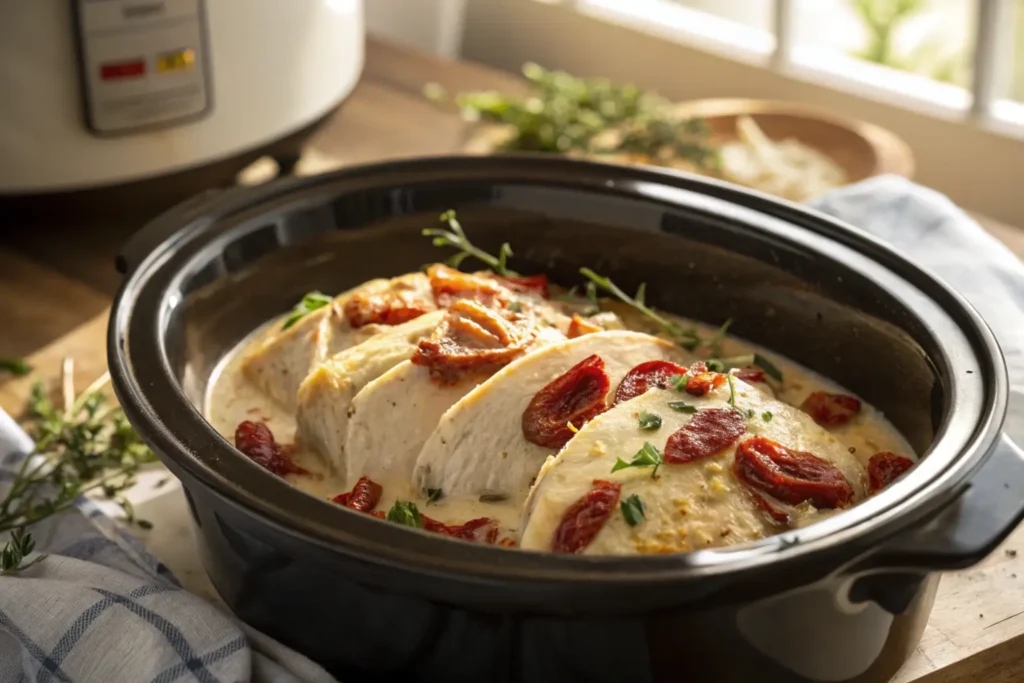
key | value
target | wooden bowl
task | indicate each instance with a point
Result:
(861, 149)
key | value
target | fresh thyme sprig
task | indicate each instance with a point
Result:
(686, 337)
(455, 237)
(85, 446)
(13, 554)
(15, 366)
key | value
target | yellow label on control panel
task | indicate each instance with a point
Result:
(181, 60)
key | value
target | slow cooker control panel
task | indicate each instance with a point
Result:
(142, 63)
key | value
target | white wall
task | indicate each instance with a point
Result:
(431, 25)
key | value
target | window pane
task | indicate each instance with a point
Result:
(752, 13)
(929, 38)
(1017, 75)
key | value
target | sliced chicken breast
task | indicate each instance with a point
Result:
(282, 359)
(478, 447)
(392, 416)
(325, 396)
(688, 505)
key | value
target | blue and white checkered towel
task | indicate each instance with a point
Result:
(100, 609)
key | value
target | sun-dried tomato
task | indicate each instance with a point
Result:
(579, 327)
(480, 530)
(473, 338)
(700, 381)
(363, 497)
(450, 285)
(831, 410)
(573, 397)
(708, 432)
(884, 468)
(791, 476)
(585, 518)
(749, 375)
(647, 375)
(401, 303)
(256, 442)
(534, 285)
(776, 515)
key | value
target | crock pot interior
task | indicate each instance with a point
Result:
(807, 305)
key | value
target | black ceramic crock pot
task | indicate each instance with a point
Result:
(843, 600)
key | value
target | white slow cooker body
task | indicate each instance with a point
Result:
(272, 68)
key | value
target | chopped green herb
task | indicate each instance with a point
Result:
(144, 524)
(310, 302)
(715, 342)
(649, 421)
(15, 366)
(648, 456)
(405, 513)
(515, 307)
(455, 237)
(732, 390)
(769, 368)
(767, 416)
(678, 382)
(493, 497)
(750, 413)
(682, 407)
(729, 363)
(434, 495)
(633, 510)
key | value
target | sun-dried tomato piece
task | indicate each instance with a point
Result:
(363, 497)
(256, 442)
(708, 432)
(450, 285)
(579, 327)
(791, 476)
(473, 338)
(884, 468)
(776, 515)
(534, 285)
(700, 381)
(585, 518)
(576, 396)
(480, 530)
(647, 375)
(401, 303)
(749, 375)
(830, 410)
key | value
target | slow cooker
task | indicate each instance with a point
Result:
(104, 92)
(845, 599)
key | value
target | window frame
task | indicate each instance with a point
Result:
(776, 50)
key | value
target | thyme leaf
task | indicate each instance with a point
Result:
(633, 510)
(647, 456)
(455, 237)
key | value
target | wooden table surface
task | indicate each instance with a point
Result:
(56, 286)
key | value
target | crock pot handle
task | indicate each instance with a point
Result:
(153, 233)
(969, 529)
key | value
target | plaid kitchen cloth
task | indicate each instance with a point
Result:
(101, 609)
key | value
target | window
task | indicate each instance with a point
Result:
(916, 53)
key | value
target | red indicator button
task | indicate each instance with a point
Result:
(116, 70)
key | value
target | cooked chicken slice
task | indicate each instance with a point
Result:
(325, 396)
(479, 447)
(392, 417)
(283, 358)
(696, 498)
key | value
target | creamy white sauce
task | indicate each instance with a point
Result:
(233, 398)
